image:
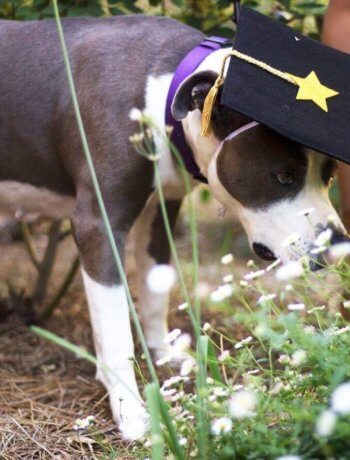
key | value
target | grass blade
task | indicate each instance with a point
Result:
(78, 351)
(152, 397)
(173, 441)
(98, 193)
(213, 363)
(202, 423)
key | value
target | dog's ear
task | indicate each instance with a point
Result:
(192, 93)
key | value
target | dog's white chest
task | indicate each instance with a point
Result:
(29, 203)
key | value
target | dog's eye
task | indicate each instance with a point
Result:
(285, 178)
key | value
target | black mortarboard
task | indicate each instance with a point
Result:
(290, 83)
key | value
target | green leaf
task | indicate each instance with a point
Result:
(213, 363)
(173, 441)
(25, 12)
(79, 351)
(201, 381)
(152, 396)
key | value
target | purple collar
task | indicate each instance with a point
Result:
(187, 66)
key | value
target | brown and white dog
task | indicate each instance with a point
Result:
(118, 64)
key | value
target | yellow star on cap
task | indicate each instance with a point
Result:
(311, 89)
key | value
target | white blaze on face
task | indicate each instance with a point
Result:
(272, 225)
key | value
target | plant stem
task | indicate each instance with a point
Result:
(46, 265)
(99, 197)
(62, 289)
(175, 256)
(27, 237)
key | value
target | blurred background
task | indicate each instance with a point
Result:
(210, 16)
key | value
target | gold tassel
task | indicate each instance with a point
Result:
(209, 105)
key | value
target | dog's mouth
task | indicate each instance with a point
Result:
(264, 252)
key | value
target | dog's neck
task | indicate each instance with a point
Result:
(203, 148)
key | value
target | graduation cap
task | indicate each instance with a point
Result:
(288, 82)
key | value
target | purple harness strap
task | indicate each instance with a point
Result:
(187, 66)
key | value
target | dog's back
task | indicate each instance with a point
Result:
(111, 59)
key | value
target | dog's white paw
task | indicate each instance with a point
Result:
(130, 415)
(134, 426)
(169, 355)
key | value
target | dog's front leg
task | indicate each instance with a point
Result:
(152, 248)
(110, 320)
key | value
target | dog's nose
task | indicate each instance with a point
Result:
(263, 252)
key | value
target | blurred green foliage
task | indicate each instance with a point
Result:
(210, 16)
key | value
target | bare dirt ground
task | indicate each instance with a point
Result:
(44, 388)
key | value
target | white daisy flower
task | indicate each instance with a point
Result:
(172, 381)
(168, 392)
(342, 330)
(312, 310)
(324, 238)
(325, 424)
(338, 252)
(319, 250)
(309, 329)
(296, 306)
(254, 275)
(221, 426)
(278, 386)
(265, 298)
(169, 129)
(227, 278)
(289, 271)
(243, 342)
(222, 292)
(181, 344)
(227, 259)
(202, 290)
(136, 138)
(187, 367)
(163, 360)
(172, 335)
(242, 404)
(298, 358)
(273, 265)
(291, 240)
(82, 424)
(340, 399)
(284, 359)
(135, 114)
(220, 392)
(177, 350)
(161, 278)
(224, 355)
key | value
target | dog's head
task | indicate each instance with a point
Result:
(276, 187)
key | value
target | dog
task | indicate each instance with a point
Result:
(121, 63)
